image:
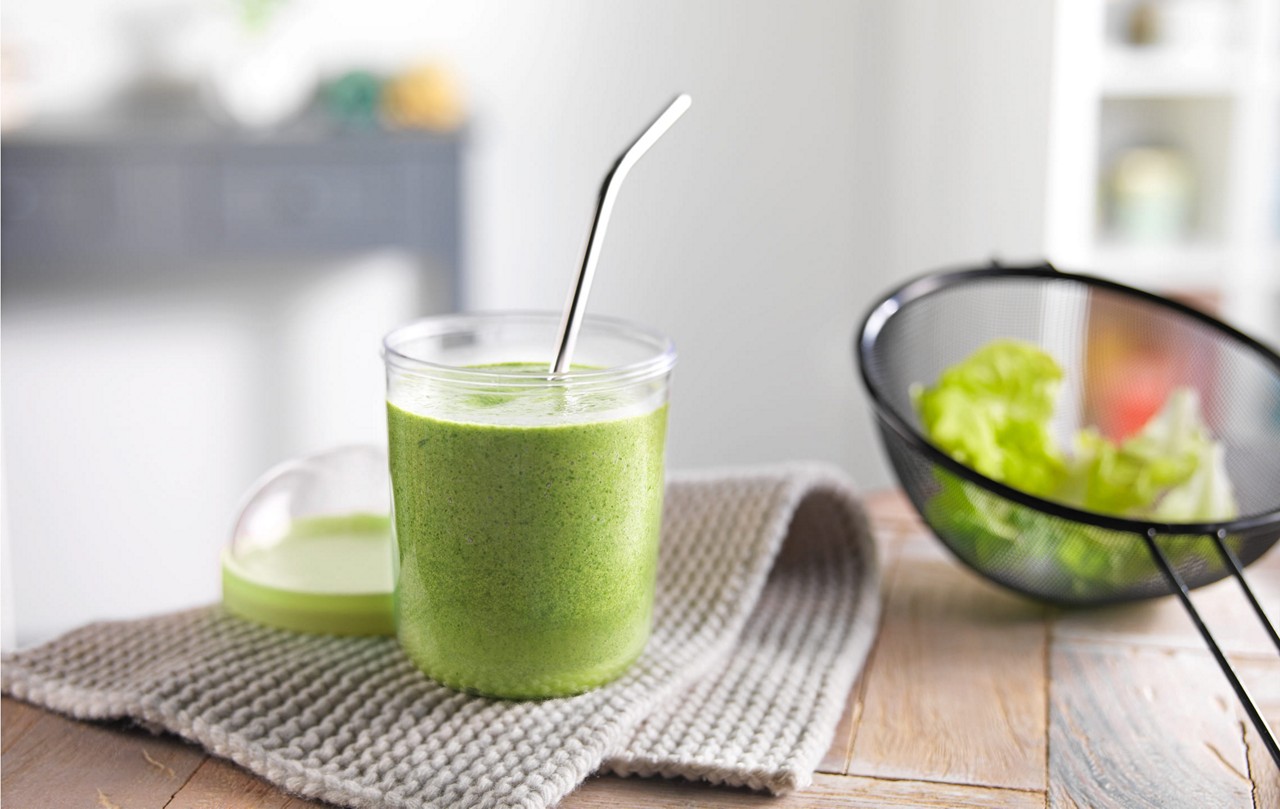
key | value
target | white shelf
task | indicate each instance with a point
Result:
(1166, 73)
(1219, 106)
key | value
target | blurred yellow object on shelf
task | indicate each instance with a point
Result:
(424, 97)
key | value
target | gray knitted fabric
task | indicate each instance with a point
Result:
(767, 604)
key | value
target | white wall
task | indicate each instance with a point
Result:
(135, 416)
(966, 130)
(832, 148)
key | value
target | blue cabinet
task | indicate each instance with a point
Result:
(75, 202)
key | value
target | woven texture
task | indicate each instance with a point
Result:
(767, 604)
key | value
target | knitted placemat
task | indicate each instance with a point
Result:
(767, 603)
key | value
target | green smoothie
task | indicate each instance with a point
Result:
(527, 533)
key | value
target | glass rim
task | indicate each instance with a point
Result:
(661, 361)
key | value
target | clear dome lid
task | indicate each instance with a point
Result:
(312, 548)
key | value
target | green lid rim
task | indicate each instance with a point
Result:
(302, 611)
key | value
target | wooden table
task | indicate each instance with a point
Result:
(972, 697)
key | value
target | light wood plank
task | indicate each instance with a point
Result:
(1140, 727)
(219, 784)
(895, 526)
(827, 792)
(16, 718)
(957, 691)
(61, 762)
(1163, 622)
(1262, 679)
(836, 759)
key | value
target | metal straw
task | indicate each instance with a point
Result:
(576, 304)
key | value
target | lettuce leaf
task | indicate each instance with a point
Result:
(1171, 471)
(992, 412)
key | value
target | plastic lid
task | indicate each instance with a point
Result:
(312, 548)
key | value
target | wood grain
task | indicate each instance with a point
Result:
(957, 689)
(60, 762)
(1262, 679)
(219, 784)
(827, 792)
(17, 718)
(1139, 727)
(895, 526)
(836, 759)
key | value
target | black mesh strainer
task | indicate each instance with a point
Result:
(1121, 350)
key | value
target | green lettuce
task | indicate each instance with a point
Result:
(1170, 471)
(992, 412)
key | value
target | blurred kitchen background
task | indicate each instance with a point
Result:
(213, 210)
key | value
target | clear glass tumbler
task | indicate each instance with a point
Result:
(526, 505)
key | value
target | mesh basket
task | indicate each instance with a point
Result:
(1122, 351)
(1104, 336)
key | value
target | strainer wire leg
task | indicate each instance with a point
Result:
(1237, 570)
(1246, 701)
